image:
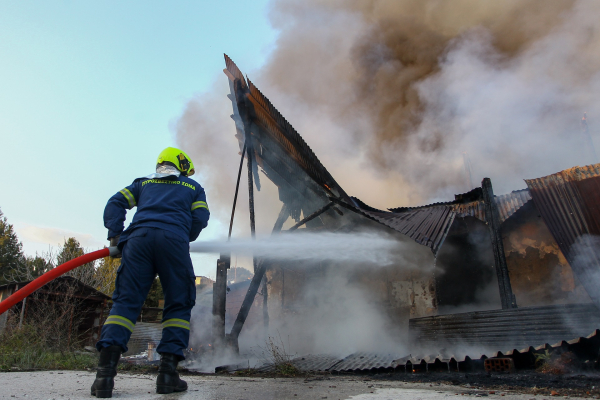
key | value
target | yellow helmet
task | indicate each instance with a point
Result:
(178, 159)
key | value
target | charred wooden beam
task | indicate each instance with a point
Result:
(492, 217)
(237, 189)
(311, 216)
(219, 299)
(281, 218)
(223, 264)
(259, 275)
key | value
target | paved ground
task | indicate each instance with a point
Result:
(76, 385)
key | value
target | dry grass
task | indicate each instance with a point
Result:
(276, 354)
(24, 350)
(48, 337)
(558, 364)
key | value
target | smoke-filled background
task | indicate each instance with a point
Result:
(390, 94)
(394, 96)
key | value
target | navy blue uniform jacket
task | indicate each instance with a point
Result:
(175, 204)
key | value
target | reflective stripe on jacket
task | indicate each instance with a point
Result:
(176, 204)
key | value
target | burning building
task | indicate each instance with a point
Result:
(520, 256)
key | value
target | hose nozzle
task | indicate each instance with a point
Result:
(114, 252)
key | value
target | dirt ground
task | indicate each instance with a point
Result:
(140, 385)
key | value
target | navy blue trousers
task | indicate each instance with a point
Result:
(147, 252)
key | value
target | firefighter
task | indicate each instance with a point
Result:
(171, 212)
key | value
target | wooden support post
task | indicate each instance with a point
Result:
(259, 274)
(219, 299)
(265, 305)
(492, 218)
(223, 264)
(281, 218)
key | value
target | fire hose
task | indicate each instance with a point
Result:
(54, 273)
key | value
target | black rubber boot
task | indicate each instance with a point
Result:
(107, 369)
(168, 379)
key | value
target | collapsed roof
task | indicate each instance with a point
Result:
(279, 150)
(568, 200)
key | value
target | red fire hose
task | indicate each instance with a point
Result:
(53, 274)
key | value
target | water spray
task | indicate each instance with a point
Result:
(322, 246)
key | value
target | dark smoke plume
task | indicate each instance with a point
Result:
(391, 94)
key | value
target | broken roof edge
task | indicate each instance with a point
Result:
(296, 140)
(430, 224)
(20, 285)
(283, 133)
(428, 232)
(576, 173)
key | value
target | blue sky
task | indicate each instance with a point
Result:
(88, 91)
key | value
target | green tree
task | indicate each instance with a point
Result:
(70, 249)
(37, 266)
(86, 273)
(155, 294)
(11, 255)
(106, 274)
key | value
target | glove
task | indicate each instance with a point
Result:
(113, 243)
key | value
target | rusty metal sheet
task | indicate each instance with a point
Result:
(428, 226)
(366, 361)
(510, 328)
(234, 70)
(473, 209)
(280, 150)
(272, 122)
(315, 362)
(569, 203)
(586, 348)
(510, 203)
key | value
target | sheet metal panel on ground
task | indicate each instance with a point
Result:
(584, 347)
(510, 328)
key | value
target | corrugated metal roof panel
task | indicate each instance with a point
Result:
(315, 362)
(569, 203)
(284, 133)
(586, 348)
(143, 333)
(293, 155)
(366, 361)
(510, 328)
(427, 226)
(509, 203)
(473, 209)
(234, 70)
